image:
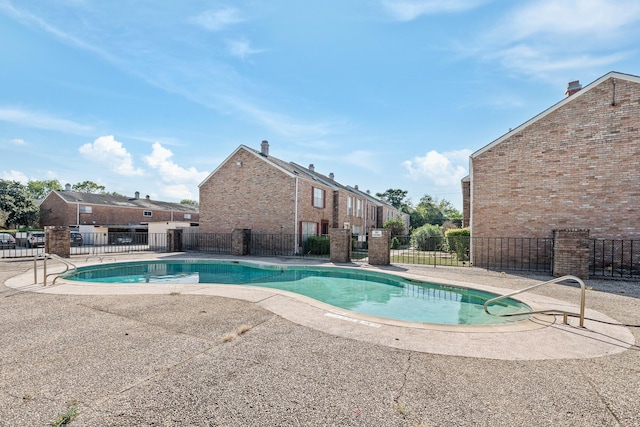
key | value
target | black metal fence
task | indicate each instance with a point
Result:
(506, 253)
(614, 258)
(607, 259)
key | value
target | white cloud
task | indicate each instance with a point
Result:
(179, 192)
(15, 176)
(41, 121)
(603, 18)
(544, 37)
(241, 48)
(108, 151)
(18, 141)
(408, 10)
(160, 160)
(441, 170)
(217, 20)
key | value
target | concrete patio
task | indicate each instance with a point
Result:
(220, 355)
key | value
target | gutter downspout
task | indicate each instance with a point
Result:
(78, 215)
(295, 221)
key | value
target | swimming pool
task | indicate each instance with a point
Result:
(366, 292)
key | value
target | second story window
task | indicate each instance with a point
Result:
(85, 209)
(349, 205)
(187, 216)
(318, 198)
(359, 208)
(147, 213)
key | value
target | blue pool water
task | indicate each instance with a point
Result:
(366, 292)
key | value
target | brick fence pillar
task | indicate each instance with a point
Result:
(240, 241)
(57, 241)
(174, 240)
(571, 253)
(340, 245)
(380, 247)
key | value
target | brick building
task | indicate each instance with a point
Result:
(574, 166)
(253, 190)
(110, 213)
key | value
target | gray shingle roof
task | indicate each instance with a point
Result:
(123, 201)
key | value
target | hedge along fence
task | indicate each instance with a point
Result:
(458, 241)
(317, 245)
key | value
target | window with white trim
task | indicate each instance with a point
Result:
(147, 213)
(318, 198)
(349, 205)
(85, 209)
(187, 216)
(359, 208)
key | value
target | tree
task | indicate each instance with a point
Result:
(429, 237)
(39, 189)
(396, 226)
(396, 198)
(189, 202)
(17, 206)
(433, 211)
(88, 187)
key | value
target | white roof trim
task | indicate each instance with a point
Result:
(612, 74)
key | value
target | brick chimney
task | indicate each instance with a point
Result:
(264, 148)
(332, 177)
(572, 87)
(312, 168)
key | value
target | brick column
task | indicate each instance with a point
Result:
(380, 247)
(340, 245)
(174, 240)
(57, 241)
(571, 253)
(240, 241)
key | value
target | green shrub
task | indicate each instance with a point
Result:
(458, 241)
(396, 226)
(317, 245)
(429, 237)
(395, 243)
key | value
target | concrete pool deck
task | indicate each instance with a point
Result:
(226, 355)
(542, 337)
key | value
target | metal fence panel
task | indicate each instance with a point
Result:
(614, 258)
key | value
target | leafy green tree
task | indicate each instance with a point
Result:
(39, 189)
(429, 237)
(189, 202)
(17, 206)
(433, 211)
(396, 198)
(88, 187)
(396, 226)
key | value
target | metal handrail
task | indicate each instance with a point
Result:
(550, 311)
(44, 257)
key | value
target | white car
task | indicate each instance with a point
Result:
(35, 239)
(7, 241)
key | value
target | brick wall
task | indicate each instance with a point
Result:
(55, 211)
(247, 192)
(575, 168)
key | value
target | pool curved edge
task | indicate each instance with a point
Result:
(255, 295)
(540, 338)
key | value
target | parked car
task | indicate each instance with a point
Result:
(75, 239)
(7, 241)
(35, 239)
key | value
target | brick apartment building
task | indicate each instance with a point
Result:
(254, 190)
(574, 166)
(109, 213)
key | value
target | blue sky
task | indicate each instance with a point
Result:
(153, 95)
